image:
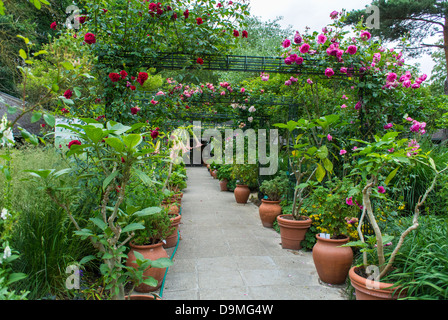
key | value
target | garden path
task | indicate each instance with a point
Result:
(226, 254)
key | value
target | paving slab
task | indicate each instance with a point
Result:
(225, 253)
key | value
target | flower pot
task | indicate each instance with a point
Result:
(172, 207)
(214, 174)
(332, 261)
(142, 297)
(292, 232)
(269, 210)
(242, 193)
(171, 240)
(152, 252)
(223, 185)
(368, 289)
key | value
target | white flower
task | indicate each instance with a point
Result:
(8, 138)
(7, 252)
(252, 109)
(250, 119)
(5, 214)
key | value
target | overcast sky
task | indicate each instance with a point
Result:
(314, 14)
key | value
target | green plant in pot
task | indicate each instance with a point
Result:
(309, 162)
(246, 175)
(148, 243)
(328, 200)
(274, 190)
(224, 175)
(378, 162)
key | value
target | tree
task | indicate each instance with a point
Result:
(416, 20)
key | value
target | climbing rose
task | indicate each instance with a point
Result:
(391, 77)
(388, 126)
(297, 38)
(304, 48)
(309, 81)
(123, 74)
(68, 94)
(200, 61)
(186, 14)
(199, 21)
(381, 189)
(90, 38)
(321, 38)
(53, 25)
(236, 33)
(329, 137)
(286, 43)
(365, 35)
(352, 49)
(329, 72)
(299, 60)
(142, 77)
(82, 19)
(114, 76)
(71, 143)
(63, 110)
(154, 134)
(135, 110)
(349, 201)
(342, 152)
(245, 34)
(334, 14)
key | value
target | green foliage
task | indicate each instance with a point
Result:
(275, 189)
(224, 172)
(157, 226)
(245, 174)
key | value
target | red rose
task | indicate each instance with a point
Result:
(236, 33)
(154, 134)
(104, 10)
(199, 21)
(63, 110)
(186, 14)
(245, 34)
(68, 94)
(53, 25)
(174, 16)
(133, 88)
(200, 61)
(90, 38)
(114, 76)
(135, 110)
(82, 19)
(123, 74)
(142, 77)
(74, 142)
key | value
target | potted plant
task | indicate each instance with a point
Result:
(224, 175)
(383, 158)
(246, 175)
(113, 154)
(309, 162)
(332, 261)
(274, 190)
(148, 243)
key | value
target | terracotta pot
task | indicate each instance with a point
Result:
(142, 297)
(242, 193)
(223, 185)
(292, 232)
(269, 210)
(172, 208)
(171, 240)
(332, 261)
(366, 289)
(152, 252)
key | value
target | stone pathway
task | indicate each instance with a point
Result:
(226, 254)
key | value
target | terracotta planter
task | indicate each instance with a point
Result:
(269, 210)
(152, 252)
(242, 193)
(142, 297)
(292, 232)
(172, 207)
(223, 185)
(332, 261)
(171, 240)
(366, 289)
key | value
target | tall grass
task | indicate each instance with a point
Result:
(42, 233)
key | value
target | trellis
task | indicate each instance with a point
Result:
(255, 64)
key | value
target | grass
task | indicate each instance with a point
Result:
(41, 231)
